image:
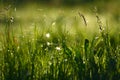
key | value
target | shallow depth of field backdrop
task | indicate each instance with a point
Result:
(59, 40)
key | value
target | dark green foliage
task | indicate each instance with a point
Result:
(37, 60)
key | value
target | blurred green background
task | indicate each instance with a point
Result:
(59, 2)
(31, 11)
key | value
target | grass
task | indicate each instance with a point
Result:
(60, 47)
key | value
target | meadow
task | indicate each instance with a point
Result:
(47, 43)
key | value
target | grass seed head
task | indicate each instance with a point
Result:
(83, 17)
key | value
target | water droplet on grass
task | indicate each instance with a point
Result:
(96, 37)
(65, 60)
(8, 50)
(48, 43)
(53, 23)
(12, 54)
(58, 48)
(48, 35)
